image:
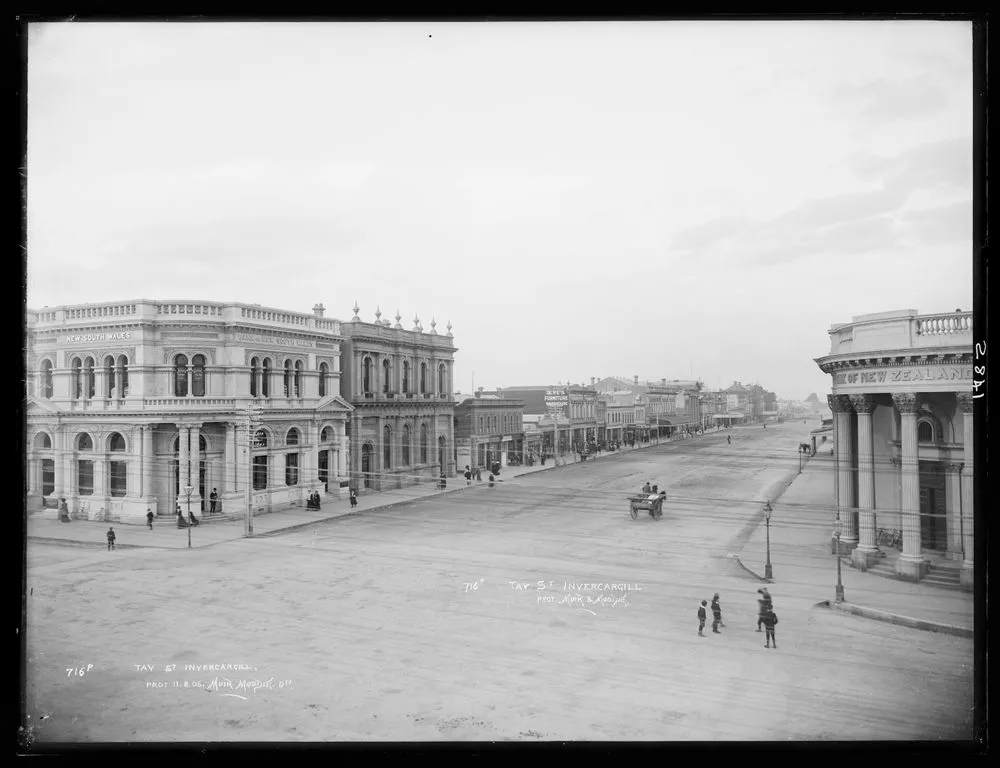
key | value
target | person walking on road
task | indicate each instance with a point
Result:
(111, 539)
(149, 518)
(729, 439)
(702, 615)
(764, 604)
(468, 475)
(716, 614)
(769, 621)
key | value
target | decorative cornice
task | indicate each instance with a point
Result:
(906, 402)
(862, 403)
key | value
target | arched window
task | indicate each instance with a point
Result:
(292, 438)
(122, 376)
(77, 367)
(925, 432)
(254, 370)
(423, 443)
(46, 384)
(406, 445)
(442, 388)
(117, 469)
(265, 381)
(180, 376)
(366, 375)
(298, 378)
(385, 375)
(84, 443)
(43, 441)
(386, 448)
(260, 439)
(423, 378)
(406, 376)
(326, 435)
(323, 370)
(480, 425)
(288, 378)
(90, 377)
(109, 377)
(198, 376)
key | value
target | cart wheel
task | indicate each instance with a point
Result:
(634, 513)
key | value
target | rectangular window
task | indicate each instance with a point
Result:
(118, 477)
(259, 473)
(48, 477)
(85, 478)
(291, 469)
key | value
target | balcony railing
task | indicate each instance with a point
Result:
(937, 325)
(902, 332)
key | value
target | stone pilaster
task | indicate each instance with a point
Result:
(147, 461)
(867, 551)
(195, 460)
(911, 564)
(965, 404)
(183, 458)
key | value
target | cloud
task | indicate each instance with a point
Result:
(885, 100)
(942, 224)
(710, 233)
(940, 163)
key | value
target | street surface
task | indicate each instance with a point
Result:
(428, 622)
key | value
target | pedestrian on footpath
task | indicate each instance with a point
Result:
(769, 621)
(716, 614)
(213, 499)
(479, 475)
(702, 615)
(149, 518)
(111, 539)
(354, 498)
(468, 475)
(491, 481)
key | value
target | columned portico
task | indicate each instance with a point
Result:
(867, 551)
(911, 564)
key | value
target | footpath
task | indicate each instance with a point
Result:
(805, 570)
(166, 534)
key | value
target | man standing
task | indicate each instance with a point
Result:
(769, 621)
(702, 615)
(149, 518)
(468, 475)
(764, 604)
(354, 498)
(213, 499)
(111, 539)
(716, 614)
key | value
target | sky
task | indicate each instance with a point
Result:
(688, 199)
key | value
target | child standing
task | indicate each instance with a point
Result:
(702, 615)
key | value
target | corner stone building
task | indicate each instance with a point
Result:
(399, 383)
(129, 403)
(903, 430)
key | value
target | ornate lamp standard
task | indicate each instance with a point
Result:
(838, 527)
(189, 489)
(767, 522)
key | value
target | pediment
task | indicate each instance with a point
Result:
(334, 404)
(37, 405)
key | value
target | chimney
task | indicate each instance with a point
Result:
(636, 378)
(592, 380)
(479, 392)
(318, 310)
(663, 381)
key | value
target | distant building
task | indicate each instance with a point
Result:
(489, 429)
(576, 404)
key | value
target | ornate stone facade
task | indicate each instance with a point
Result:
(131, 404)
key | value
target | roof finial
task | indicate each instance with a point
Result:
(449, 328)
(398, 318)
(378, 315)
(416, 323)
(356, 310)
(433, 326)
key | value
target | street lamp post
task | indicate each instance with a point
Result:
(838, 526)
(767, 522)
(188, 489)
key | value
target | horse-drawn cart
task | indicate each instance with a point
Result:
(651, 503)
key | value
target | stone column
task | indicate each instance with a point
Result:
(230, 459)
(867, 551)
(953, 507)
(965, 405)
(846, 504)
(911, 564)
(183, 458)
(147, 461)
(194, 457)
(134, 488)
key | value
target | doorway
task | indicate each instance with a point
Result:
(324, 470)
(366, 464)
(933, 528)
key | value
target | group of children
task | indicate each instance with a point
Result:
(765, 616)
